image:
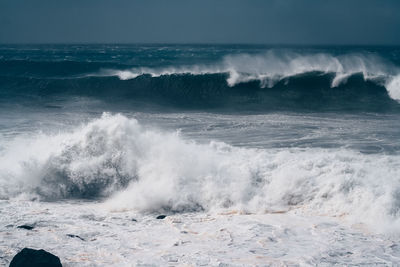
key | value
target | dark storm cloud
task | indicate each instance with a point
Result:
(206, 21)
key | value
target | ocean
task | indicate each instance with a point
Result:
(257, 155)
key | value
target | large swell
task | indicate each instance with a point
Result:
(271, 67)
(269, 80)
(149, 170)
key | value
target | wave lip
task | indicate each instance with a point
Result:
(149, 170)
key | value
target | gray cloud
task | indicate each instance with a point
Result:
(206, 21)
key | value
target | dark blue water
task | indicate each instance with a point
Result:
(224, 78)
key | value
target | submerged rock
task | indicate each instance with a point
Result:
(35, 258)
(26, 227)
(161, 217)
(75, 236)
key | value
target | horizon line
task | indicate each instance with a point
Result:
(200, 43)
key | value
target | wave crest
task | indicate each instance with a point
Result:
(274, 66)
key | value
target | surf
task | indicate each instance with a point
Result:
(131, 167)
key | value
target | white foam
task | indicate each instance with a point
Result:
(84, 234)
(165, 172)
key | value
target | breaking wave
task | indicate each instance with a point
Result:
(272, 67)
(149, 170)
(275, 80)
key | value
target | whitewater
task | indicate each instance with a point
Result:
(254, 155)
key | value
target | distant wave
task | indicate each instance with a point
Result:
(270, 68)
(149, 170)
(270, 81)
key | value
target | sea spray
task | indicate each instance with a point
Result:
(274, 66)
(149, 170)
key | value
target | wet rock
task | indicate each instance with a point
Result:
(26, 226)
(35, 258)
(161, 217)
(75, 236)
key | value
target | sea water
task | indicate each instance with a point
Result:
(258, 155)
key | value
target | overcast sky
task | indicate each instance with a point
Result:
(201, 21)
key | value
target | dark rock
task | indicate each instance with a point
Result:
(26, 227)
(161, 217)
(35, 258)
(134, 220)
(75, 236)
